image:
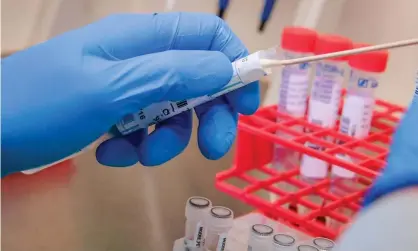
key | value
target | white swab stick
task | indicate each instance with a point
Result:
(266, 63)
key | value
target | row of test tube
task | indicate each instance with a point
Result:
(207, 226)
(263, 238)
(208, 229)
(328, 79)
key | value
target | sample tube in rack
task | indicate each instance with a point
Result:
(260, 237)
(197, 210)
(357, 112)
(296, 42)
(323, 243)
(218, 223)
(324, 102)
(283, 242)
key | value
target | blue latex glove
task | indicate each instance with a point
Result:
(61, 95)
(402, 168)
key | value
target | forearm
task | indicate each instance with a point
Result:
(390, 223)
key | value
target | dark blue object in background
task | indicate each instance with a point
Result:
(268, 7)
(223, 5)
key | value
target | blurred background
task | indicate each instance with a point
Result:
(80, 205)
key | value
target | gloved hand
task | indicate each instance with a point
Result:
(61, 95)
(402, 169)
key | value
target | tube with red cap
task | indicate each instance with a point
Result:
(324, 102)
(357, 111)
(296, 42)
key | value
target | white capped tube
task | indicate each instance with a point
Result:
(197, 210)
(245, 71)
(356, 116)
(296, 42)
(325, 97)
(358, 107)
(260, 237)
(323, 243)
(283, 242)
(218, 223)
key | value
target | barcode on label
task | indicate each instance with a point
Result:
(181, 104)
(345, 125)
(128, 119)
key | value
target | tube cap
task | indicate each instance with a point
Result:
(332, 43)
(220, 217)
(374, 61)
(262, 230)
(197, 207)
(324, 243)
(283, 240)
(298, 39)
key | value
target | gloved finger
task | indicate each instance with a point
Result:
(136, 35)
(120, 151)
(217, 128)
(246, 99)
(399, 172)
(168, 140)
(170, 75)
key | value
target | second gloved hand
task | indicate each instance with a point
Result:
(61, 95)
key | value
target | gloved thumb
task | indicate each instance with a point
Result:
(170, 75)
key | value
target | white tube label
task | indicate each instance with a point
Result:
(356, 116)
(245, 71)
(222, 242)
(293, 90)
(199, 235)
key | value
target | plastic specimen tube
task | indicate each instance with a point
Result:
(218, 223)
(197, 210)
(293, 91)
(260, 237)
(357, 112)
(324, 102)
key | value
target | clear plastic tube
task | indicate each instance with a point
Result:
(323, 105)
(218, 223)
(197, 210)
(355, 121)
(293, 94)
(357, 115)
(245, 70)
(323, 111)
(260, 237)
(293, 91)
(283, 242)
